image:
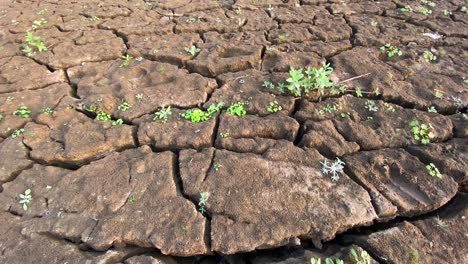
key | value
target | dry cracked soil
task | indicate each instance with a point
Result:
(99, 164)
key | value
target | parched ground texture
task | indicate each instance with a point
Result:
(109, 183)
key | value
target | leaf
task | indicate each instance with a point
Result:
(328, 261)
(25, 207)
(27, 192)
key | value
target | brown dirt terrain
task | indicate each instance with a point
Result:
(100, 161)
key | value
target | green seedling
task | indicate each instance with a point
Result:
(11, 98)
(202, 202)
(334, 168)
(429, 56)
(274, 107)
(132, 199)
(359, 92)
(126, 60)
(433, 170)
(268, 85)
(26, 198)
(37, 23)
(464, 9)
(328, 109)
(431, 109)
(124, 106)
(373, 23)
(414, 256)
(406, 9)
(282, 37)
(224, 134)
(193, 50)
(103, 116)
(23, 112)
(237, 109)
(363, 258)
(345, 115)
(117, 122)
(17, 133)
(429, 3)
(314, 79)
(420, 132)
(425, 11)
(163, 114)
(197, 115)
(217, 166)
(32, 44)
(389, 107)
(139, 96)
(42, 11)
(391, 50)
(47, 111)
(438, 95)
(371, 106)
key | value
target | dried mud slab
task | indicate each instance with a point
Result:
(246, 86)
(297, 15)
(15, 158)
(21, 73)
(451, 158)
(399, 183)
(67, 137)
(250, 37)
(252, 20)
(216, 59)
(254, 134)
(176, 133)
(204, 21)
(436, 239)
(295, 198)
(383, 126)
(145, 85)
(109, 202)
(278, 61)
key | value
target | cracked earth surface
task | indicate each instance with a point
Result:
(130, 193)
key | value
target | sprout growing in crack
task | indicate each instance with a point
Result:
(203, 199)
(25, 199)
(333, 168)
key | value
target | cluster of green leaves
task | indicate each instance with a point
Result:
(425, 11)
(126, 60)
(274, 107)
(47, 111)
(420, 132)
(117, 122)
(406, 9)
(371, 106)
(429, 56)
(163, 114)
(363, 258)
(391, 50)
(37, 23)
(25, 199)
(314, 79)
(197, 115)
(237, 109)
(433, 170)
(193, 50)
(327, 261)
(217, 166)
(429, 3)
(328, 109)
(103, 116)
(17, 133)
(32, 44)
(23, 112)
(389, 107)
(124, 106)
(431, 109)
(132, 199)
(202, 202)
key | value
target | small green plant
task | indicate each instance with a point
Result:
(11, 98)
(334, 168)
(345, 115)
(446, 12)
(433, 170)
(314, 79)
(47, 111)
(26, 198)
(274, 107)
(371, 106)
(197, 115)
(224, 134)
(103, 116)
(193, 50)
(359, 92)
(32, 44)
(429, 3)
(425, 11)
(438, 95)
(139, 96)
(237, 109)
(23, 112)
(328, 109)
(37, 23)
(163, 114)
(373, 23)
(391, 50)
(132, 199)
(17, 133)
(420, 132)
(1, 117)
(406, 9)
(268, 85)
(389, 107)
(202, 202)
(126, 60)
(428, 56)
(117, 122)
(414, 256)
(431, 109)
(124, 106)
(363, 258)
(464, 9)
(217, 166)
(282, 37)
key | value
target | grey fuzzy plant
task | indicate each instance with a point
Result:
(333, 168)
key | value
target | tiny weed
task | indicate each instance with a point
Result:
(364, 257)
(438, 95)
(193, 50)
(373, 23)
(406, 9)
(389, 107)
(198, 115)
(217, 166)
(42, 11)
(92, 108)
(17, 133)
(429, 3)
(425, 11)
(32, 44)
(315, 79)
(345, 115)
(132, 199)
(139, 96)
(224, 134)
(391, 50)
(464, 9)
(446, 12)
(23, 112)
(25, 199)
(47, 111)
(237, 109)
(124, 106)
(328, 109)
(117, 122)
(433, 170)
(371, 106)
(268, 85)
(103, 116)
(163, 114)
(414, 256)
(274, 107)
(11, 98)
(334, 168)
(428, 56)
(202, 202)
(126, 60)
(431, 109)
(282, 37)
(359, 92)
(440, 223)
(420, 132)
(369, 118)
(37, 23)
